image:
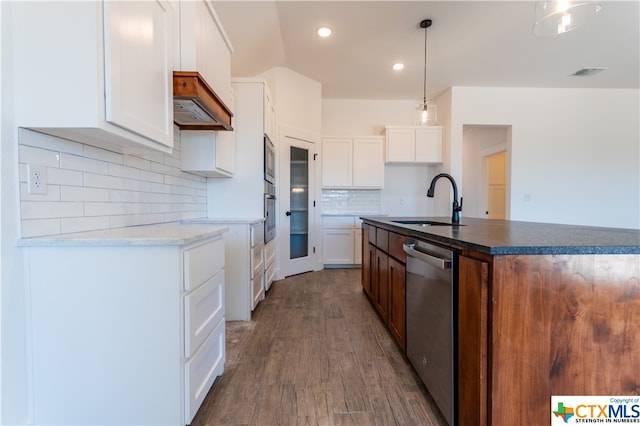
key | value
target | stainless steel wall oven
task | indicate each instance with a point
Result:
(269, 161)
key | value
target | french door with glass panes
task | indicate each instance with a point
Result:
(297, 205)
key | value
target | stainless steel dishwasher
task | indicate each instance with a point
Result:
(430, 320)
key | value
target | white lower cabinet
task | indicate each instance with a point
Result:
(245, 267)
(270, 263)
(126, 332)
(257, 273)
(357, 242)
(342, 236)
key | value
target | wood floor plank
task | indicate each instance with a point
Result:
(275, 405)
(353, 419)
(316, 353)
(312, 407)
(355, 392)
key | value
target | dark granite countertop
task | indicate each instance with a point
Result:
(513, 237)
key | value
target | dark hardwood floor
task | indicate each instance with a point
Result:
(316, 353)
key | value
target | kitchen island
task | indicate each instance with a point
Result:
(540, 310)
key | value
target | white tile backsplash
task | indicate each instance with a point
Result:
(81, 193)
(83, 164)
(43, 157)
(64, 177)
(350, 201)
(38, 227)
(91, 188)
(51, 209)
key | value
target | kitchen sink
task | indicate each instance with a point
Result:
(425, 223)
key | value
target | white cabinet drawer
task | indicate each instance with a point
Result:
(203, 310)
(269, 275)
(201, 371)
(202, 262)
(269, 254)
(257, 234)
(338, 222)
(258, 290)
(257, 262)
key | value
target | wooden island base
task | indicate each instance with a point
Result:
(534, 326)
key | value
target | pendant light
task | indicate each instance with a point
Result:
(560, 16)
(426, 111)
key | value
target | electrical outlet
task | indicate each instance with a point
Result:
(37, 179)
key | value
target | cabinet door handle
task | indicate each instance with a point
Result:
(288, 213)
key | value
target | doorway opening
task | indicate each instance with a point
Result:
(486, 171)
(494, 185)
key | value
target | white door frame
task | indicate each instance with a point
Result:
(315, 259)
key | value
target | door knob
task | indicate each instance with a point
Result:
(288, 213)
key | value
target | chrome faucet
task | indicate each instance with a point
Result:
(457, 208)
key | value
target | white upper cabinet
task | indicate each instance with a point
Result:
(414, 144)
(269, 116)
(205, 47)
(368, 162)
(337, 168)
(428, 144)
(96, 72)
(353, 162)
(208, 153)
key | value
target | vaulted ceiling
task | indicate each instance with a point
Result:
(471, 43)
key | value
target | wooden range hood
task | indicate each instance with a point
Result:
(196, 106)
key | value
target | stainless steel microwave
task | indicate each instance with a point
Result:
(269, 161)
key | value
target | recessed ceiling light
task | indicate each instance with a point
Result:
(324, 32)
(398, 66)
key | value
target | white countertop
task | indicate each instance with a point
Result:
(222, 220)
(172, 233)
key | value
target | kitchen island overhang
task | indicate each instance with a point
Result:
(496, 237)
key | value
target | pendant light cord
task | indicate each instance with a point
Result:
(424, 89)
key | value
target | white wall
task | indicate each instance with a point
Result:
(405, 189)
(365, 117)
(13, 336)
(297, 99)
(1, 50)
(575, 154)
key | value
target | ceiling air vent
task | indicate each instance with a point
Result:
(584, 72)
